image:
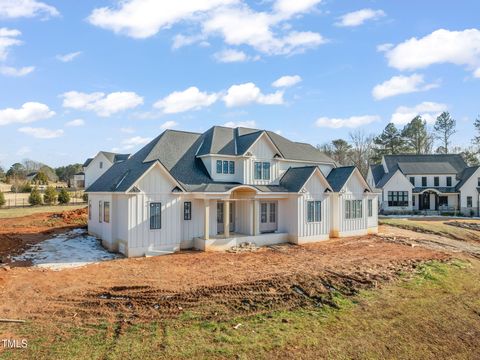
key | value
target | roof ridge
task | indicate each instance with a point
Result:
(183, 131)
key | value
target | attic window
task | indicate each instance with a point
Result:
(277, 156)
(176, 189)
(135, 190)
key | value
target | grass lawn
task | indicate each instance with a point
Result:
(17, 212)
(434, 315)
(433, 227)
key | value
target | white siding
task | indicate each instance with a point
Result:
(210, 163)
(470, 189)
(397, 182)
(430, 180)
(264, 151)
(93, 171)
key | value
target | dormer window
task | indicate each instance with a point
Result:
(262, 170)
(225, 167)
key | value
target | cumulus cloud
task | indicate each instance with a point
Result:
(233, 20)
(75, 123)
(8, 38)
(286, 81)
(351, 122)
(248, 124)
(68, 57)
(189, 99)
(427, 110)
(357, 18)
(248, 93)
(441, 46)
(168, 125)
(102, 104)
(401, 85)
(134, 142)
(29, 112)
(127, 130)
(41, 133)
(11, 9)
(16, 72)
(230, 56)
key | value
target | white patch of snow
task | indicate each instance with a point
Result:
(72, 249)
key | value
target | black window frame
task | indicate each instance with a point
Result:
(100, 165)
(412, 180)
(478, 181)
(106, 212)
(469, 201)
(89, 209)
(397, 198)
(424, 181)
(449, 181)
(155, 225)
(187, 210)
(436, 181)
(100, 211)
(443, 201)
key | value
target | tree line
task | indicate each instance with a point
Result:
(414, 138)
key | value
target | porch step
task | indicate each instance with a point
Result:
(151, 253)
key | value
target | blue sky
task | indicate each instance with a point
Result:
(77, 77)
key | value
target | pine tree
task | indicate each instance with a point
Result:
(476, 138)
(389, 142)
(50, 195)
(63, 196)
(444, 128)
(35, 197)
(416, 136)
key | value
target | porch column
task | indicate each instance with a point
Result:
(226, 218)
(255, 213)
(206, 225)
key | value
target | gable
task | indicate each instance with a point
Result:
(263, 148)
(316, 184)
(156, 181)
(398, 181)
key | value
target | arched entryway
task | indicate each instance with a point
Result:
(428, 200)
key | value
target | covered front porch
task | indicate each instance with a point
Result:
(434, 199)
(242, 215)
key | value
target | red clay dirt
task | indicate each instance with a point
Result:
(19, 233)
(207, 285)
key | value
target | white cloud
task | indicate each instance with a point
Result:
(41, 133)
(427, 110)
(384, 47)
(134, 142)
(441, 46)
(248, 93)
(189, 99)
(127, 130)
(29, 112)
(168, 125)
(68, 57)
(351, 122)
(75, 123)
(287, 81)
(12, 9)
(14, 72)
(248, 124)
(357, 18)
(401, 85)
(230, 55)
(102, 104)
(477, 73)
(24, 150)
(8, 38)
(233, 20)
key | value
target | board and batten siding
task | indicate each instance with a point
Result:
(154, 187)
(262, 150)
(398, 182)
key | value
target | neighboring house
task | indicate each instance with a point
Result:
(95, 167)
(214, 190)
(429, 183)
(77, 181)
(31, 176)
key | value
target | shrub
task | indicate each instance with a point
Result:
(2, 199)
(63, 196)
(85, 197)
(50, 196)
(26, 187)
(35, 197)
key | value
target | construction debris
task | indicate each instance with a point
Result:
(243, 247)
(464, 225)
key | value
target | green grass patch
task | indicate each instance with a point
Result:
(435, 314)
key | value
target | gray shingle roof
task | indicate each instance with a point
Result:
(339, 176)
(87, 162)
(178, 151)
(426, 164)
(378, 172)
(465, 175)
(295, 178)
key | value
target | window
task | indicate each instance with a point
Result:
(442, 201)
(231, 167)
(219, 166)
(413, 200)
(262, 171)
(263, 213)
(398, 198)
(89, 209)
(370, 207)
(353, 209)
(187, 210)
(469, 201)
(99, 211)
(436, 181)
(106, 212)
(412, 180)
(449, 181)
(273, 212)
(225, 167)
(478, 181)
(101, 164)
(314, 211)
(155, 216)
(424, 181)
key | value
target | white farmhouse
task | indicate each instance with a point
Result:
(429, 183)
(214, 190)
(95, 167)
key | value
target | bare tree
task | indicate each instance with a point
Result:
(362, 150)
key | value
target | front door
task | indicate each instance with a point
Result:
(425, 201)
(220, 218)
(268, 216)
